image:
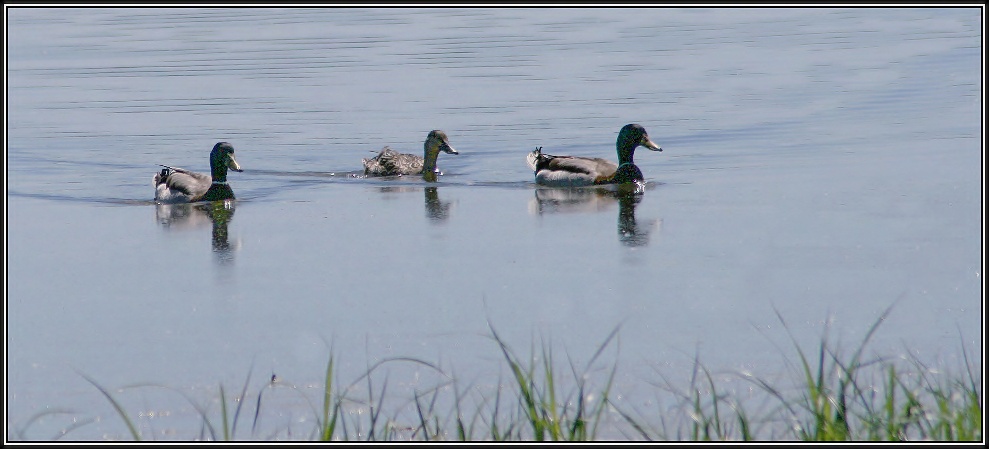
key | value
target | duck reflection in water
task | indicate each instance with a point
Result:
(631, 232)
(197, 215)
(437, 210)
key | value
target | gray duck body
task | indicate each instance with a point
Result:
(577, 171)
(178, 185)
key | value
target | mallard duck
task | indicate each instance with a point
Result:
(177, 185)
(575, 171)
(390, 162)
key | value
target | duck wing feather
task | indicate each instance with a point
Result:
(593, 166)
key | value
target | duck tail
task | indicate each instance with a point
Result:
(160, 176)
(533, 157)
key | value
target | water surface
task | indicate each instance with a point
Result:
(820, 165)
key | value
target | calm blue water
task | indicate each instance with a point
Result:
(819, 165)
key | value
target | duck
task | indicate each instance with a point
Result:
(391, 163)
(578, 171)
(178, 185)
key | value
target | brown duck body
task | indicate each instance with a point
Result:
(392, 163)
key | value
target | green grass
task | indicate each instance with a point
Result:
(834, 396)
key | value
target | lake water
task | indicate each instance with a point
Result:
(819, 165)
